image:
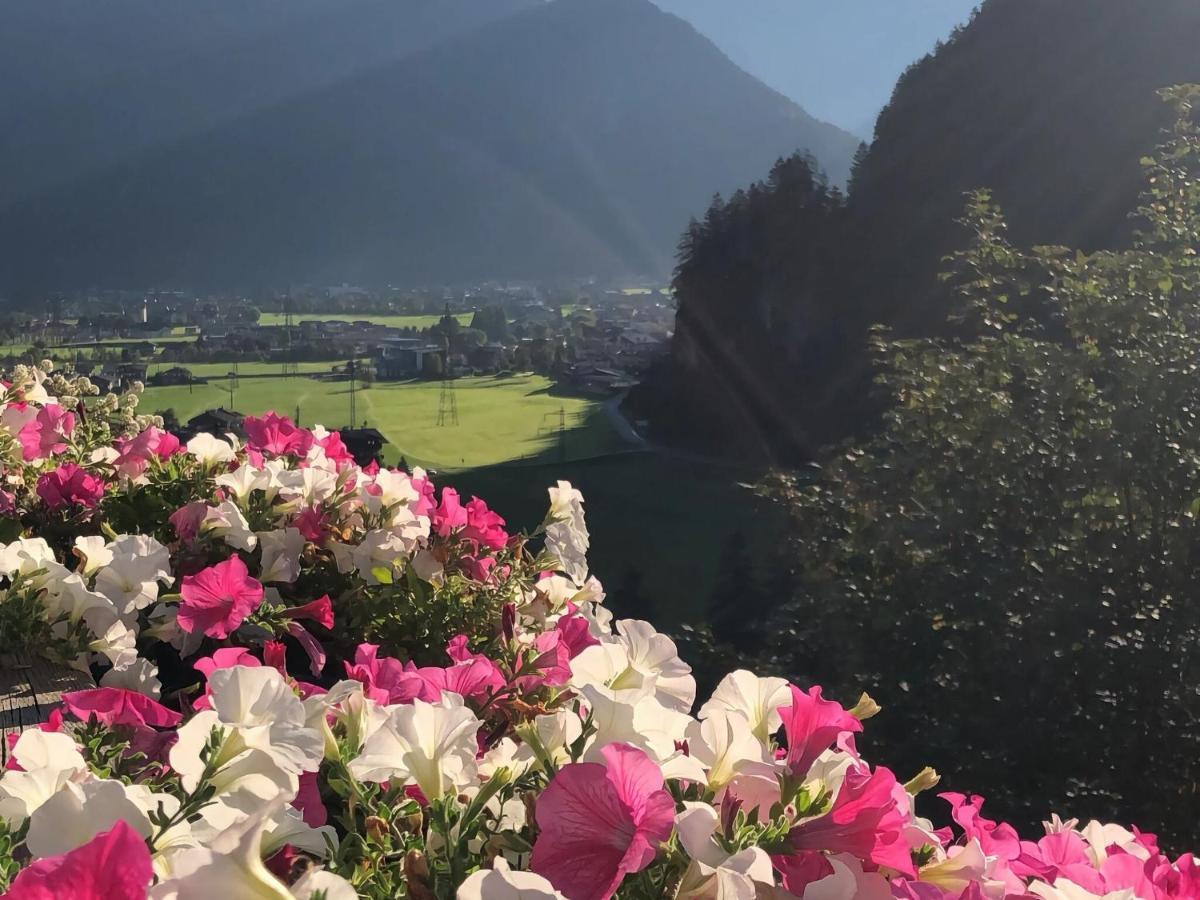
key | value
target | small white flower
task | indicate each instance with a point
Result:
(759, 699)
(567, 535)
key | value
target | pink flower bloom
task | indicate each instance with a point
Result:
(576, 634)
(117, 706)
(426, 504)
(865, 821)
(478, 569)
(384, 680)
(800, 870)
(46, 434)
(308, 801)
(186, 520)
(277, 435)
(451, 515)
(996, 839)
(225, 658)
(601, 823)
(484, 527)
(319, 611)
(812, 725)
(114, 865)
(8, 503)
(136, 452)
(275, 656)
(217, 600)
(335, 450)
(69, 485)
(313, 524)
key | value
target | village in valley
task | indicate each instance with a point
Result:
(544, 360)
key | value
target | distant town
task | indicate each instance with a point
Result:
(596, 341)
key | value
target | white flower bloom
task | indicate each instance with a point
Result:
(146, 552)
(164, 626)
(306, 487)
(333, 887)
(79, 812)
(227, 522)
(242, 480)
(713, 873)
(281, 554)
(567, 535)
(255, 709)
(113, 640)
(210, 450)
(638, 657)
(386, 490)
(94, 554)
(48, 761)
(377, 550)
(555, 733)
(1100, 836)
(725, 745)
(141, 676)
(230, 866)
(430, 744)
(502, 883)
(758, 699)
(632, 717)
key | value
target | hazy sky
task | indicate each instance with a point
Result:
(839, 59)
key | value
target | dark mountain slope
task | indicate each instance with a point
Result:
(1049, 103)
(574, 138)
(84, 85)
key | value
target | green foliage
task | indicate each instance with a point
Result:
(1014, 557)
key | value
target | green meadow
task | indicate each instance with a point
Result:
(500, 419)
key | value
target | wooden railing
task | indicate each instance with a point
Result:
(30, 689)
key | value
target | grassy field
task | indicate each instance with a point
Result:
(661, 527)
(395, 321)
(500, 419)
(220, 370)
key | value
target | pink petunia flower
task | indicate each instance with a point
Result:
(218, 599)
(812, 725)
(277, 435)
(484, 527)
(386, 681)
(69, 485)
(319, 611)
(450, 515)
(600, 823)
(114, 865)
(187, 519)
(865, 821)
(116, 706)
(136, 452)
(46, 434)
(313, 524)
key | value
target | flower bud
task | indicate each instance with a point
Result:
(925, 780)
(865, 708)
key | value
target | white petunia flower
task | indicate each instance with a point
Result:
(567, 534)
(430, 744)
(210, 450)
(502, 883)
(715, 874)
(758, 699)
(281, 554)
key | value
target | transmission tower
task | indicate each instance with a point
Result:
(562, 431)
(448, 401)
(289, 359)
(352, 371)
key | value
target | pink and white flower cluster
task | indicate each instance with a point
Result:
(241, 744)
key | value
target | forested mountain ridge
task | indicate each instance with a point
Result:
(573, 138)
(1049, 104)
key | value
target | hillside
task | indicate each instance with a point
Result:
(1049, 103)
(574, 138)
(85, 85)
